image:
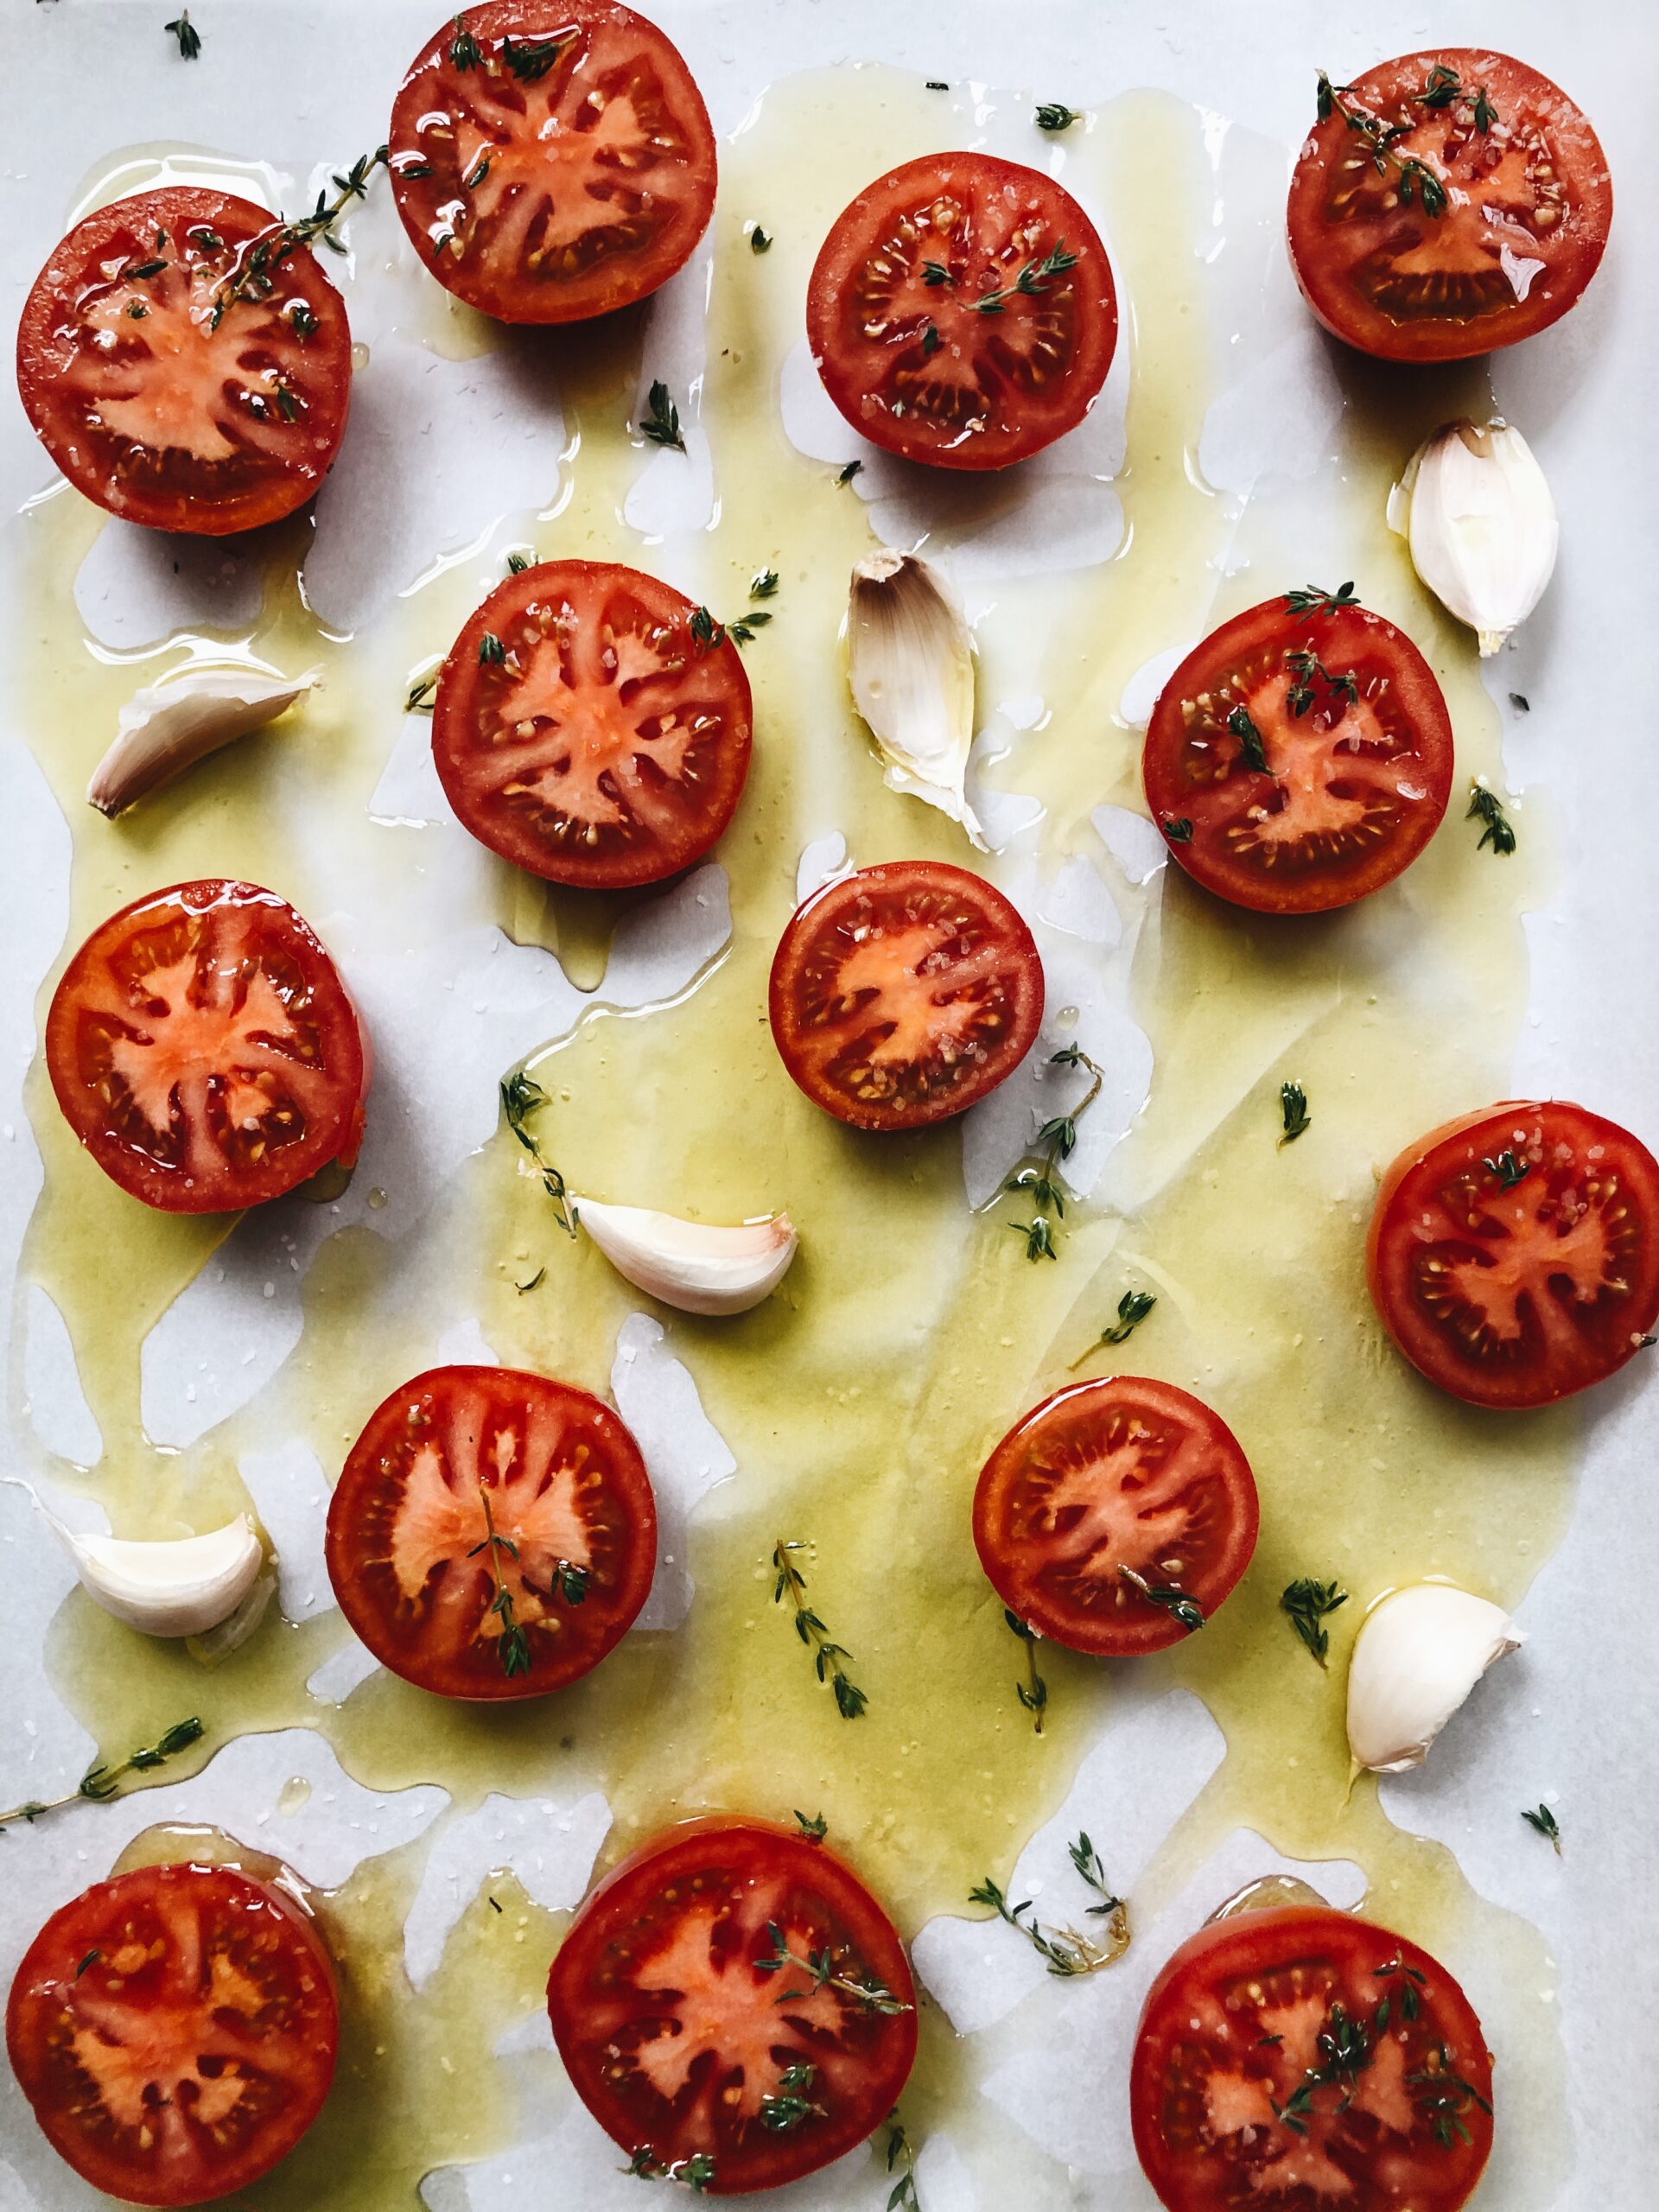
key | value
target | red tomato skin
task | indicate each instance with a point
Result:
(338, 1135)
(50, 1963)
(353, 1497)
(1351, 632)
(275, 493)
(1017, 436)
(622, 1891)
(1158, 1631)
(605, 289)
(518, 843)
(1276, 1933)
(1023, 954)
(1363, 325)
(1387, 1242)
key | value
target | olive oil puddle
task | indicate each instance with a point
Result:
(859, 1402)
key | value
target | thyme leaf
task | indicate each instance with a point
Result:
(1054, 115)
(188, 36)
(1250, 745)
(1484, 805)
(661, 422)
(1177, 828)
(846, 475)
(789, 2105)
(695, 2173)
(418, 700)
(760, 240)
(828, 1656)
(1544, 1822)
(1170, 1595)
(815, 1828)
(1292, 1108)
(903, 2197)
(1306, 1603)
(1508, 1170)
(1131, 1310)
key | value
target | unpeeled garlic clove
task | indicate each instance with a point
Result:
(911, 665)
(1420, 1652)
(700, 1268)
(170, 726)
(179, 1586)
(1476, 512)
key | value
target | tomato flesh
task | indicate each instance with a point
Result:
(1528, 206)
(1107, 1480)
(204, 1050)
(897, 320)
(1355, 743)
(583, 731)
(677, 2034)
(903, 994)
(1514, 1254)
(1299, 2058)
(174, 2031)
(551, 162)
(160, 399)
(460, 1451)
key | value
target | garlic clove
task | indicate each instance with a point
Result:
(181, 1587)
(170, 726)
(1420, 1652)
(1478, 514)
(700, 1268)
(911, 665)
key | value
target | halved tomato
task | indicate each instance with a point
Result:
(204, 1050)
(1513, 1254)
(551, 159)
(164, 398)
(492, 1533)
(1300, 757)
(733, 2007)
(962, 312)
(585, 730)
(1446, 204)
(174, 2031)
(1300, 2057)
(1104, 1494)
(901, 995)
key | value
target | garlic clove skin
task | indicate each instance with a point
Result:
(1478, 514)
(689, 1264)
(168, 727)
(183, 1586)
(1420, 1652)
(911, 664)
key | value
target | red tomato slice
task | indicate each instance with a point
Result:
(1120, 1474)
(583, 731)
(156, 410)
(899, 327)
(903, 994)
(1513, 227)
(459, 1452)
(205, 1052)
(1300, 2058)
(1514, 1254)
(1345, 715)
(174, 2031)
(551, 159)
(699, 2050)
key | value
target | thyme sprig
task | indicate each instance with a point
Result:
(903, 2197)
(1065, 1951)
(1416, 179)
(1054, 115)
(826, 1655)
(1508, 1170)
(1032, 1693)
(1033, 279)
(99, 1782)
(1313, 599)
(661, 422)
(1444, 88)
(846, 475)
(760, 240)
(1036, 1178)
(1178, 828)
(1250, 743)
(255, 275)
(1293, 1112)
(1446, 2098)
(1543, 1820)
(790, 2105)
(530, 61)
(1169, 1595)
(695, 2173)
(1131, 1310)
(1484, 805)
(1304, 668)
(813, 1826)
(1305, 1604)
(521, 1097)
(513, 1645)
(465, 53)
(707, 632)
(819, 1968)
(188, 36)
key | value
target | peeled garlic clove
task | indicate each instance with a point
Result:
(912, 668)
(689, 1264)
(171, 725)
(180, 1586)
(1420, 1652)
(1476, 512)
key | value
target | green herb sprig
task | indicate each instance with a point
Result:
(1131, 1310)
(1033, 281)
(790, 2105)
(1036, 1178)
(760, 240)
(513, 1645)
(1543, 1820)
(255, 275)
(1305, 1604)
(1508, 1170)
(99, 1783)
(695, 2173)
(819, 1968)
(1484, 805)
(901, 2160)
(1178, 828)
(1444, 88)
(661, 422)
(188, 36)
(1169, 1595)
(1293, 1112)
(826, 1655)
(1313, 599)
(1250, 745)
(813, 1826)
(1065, 1951)
(521, 1097)
(1415, 178)
(1054, 115)
(1304, 668)
(1032, 1693)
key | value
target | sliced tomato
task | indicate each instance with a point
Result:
(473, 1484)
(1480, 221)
(1107, 1491)
(733, 2006)
(901, 995)
(1354, 743)
(1513, 1254)
(1301, 2059)
(962, 312)
(584, 730)
(204, 1050)
(163, 398)
(552, 160)
(174, 2031)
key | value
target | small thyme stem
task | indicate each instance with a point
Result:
(1054, 1142)
(1032, 1693)
(255, 276)
(521, 1097)
(826, 1655)
(819, 1969)
(99, 1783)
(513, 1645)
